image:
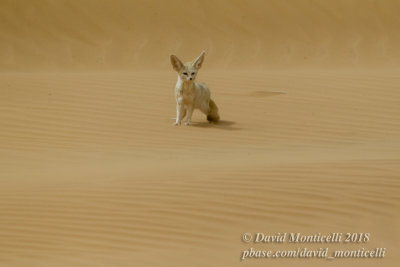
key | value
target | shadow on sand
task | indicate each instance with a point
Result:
(266, 93)
(222, 124)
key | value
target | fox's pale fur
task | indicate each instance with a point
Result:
(191, 95)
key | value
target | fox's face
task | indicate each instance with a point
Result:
(187, 71)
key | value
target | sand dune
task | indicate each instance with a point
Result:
(94, 174)
(90, 168)
(256, 34)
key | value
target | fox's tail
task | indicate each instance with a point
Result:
(212, 115)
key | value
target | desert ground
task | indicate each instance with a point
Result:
(93, 173)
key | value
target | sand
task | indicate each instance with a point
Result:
(93, 173)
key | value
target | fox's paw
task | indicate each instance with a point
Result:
(188, 123)
(176, 123)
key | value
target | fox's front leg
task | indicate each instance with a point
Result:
(179, 113)
(189, 115)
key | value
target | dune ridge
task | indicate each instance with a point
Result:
(104, 35)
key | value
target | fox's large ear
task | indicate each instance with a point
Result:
(199, 61)
(176, 63)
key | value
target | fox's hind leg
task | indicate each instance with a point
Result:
(212, 115)
(184, 113)
(204, 108)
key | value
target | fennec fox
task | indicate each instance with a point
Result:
(190, 94)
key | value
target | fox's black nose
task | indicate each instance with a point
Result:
(191, 78)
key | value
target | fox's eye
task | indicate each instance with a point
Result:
(192, 73)
(185, 73)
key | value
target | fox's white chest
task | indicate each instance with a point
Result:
(185, 93)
